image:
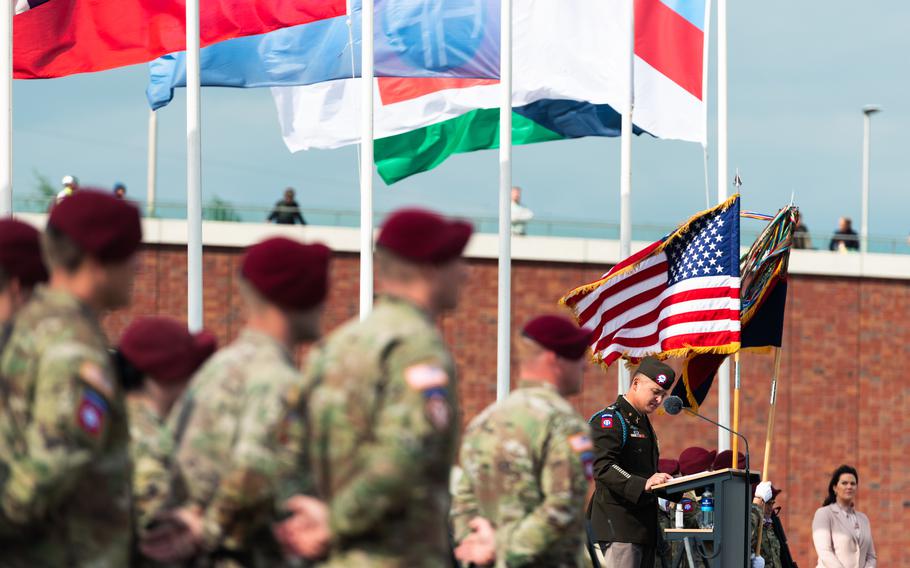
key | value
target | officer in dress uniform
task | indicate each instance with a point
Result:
(21, 268)
(623, 511)
(383, 416)
(526, 460)
(64, 423)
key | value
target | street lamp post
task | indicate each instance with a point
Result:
(868, 111)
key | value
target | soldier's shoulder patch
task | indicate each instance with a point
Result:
(581, 444)
(687, 505)
(91, 413)
(94, 376)
(606, 420)
(424, 376)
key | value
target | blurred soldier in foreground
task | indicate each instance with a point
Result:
(623, 511)
(63, 418)
(21, 268)
(156, 358)
(383, 411)
(230, 469)
(526, 461)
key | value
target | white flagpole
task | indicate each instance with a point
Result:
(504, 316)
(152, 174)
(723, 374)
(6, 109)
(193, 170)
(625, 172)
(366, 160)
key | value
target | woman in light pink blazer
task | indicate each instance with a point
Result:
(842, 535)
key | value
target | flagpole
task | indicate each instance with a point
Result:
(193, 169)
(625, 171)
(504, 316)
(736, 391)
(366, 160)
(6, 109)
(769, 434)
(723, 373)
(152, 173)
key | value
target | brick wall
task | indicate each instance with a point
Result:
(842, 395)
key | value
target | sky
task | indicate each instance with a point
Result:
(799, 75)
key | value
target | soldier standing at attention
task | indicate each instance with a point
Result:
(21, 268)
(157, 356)
(383, 418)
(230, 471)
(526, 461)
(761, 515)
(64, 415)
(623, 511)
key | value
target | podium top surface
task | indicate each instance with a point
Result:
(707, 476)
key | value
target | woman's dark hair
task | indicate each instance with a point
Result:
(835, 478)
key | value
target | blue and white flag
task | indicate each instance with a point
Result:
(413, 38)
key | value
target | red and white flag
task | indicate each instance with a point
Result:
(54, 38)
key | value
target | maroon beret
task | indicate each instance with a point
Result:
(725, 459)
(558, 334)
(164, 349)
(695, 460)
(20, 252)
(104, 227)
(289, 274)
(657, 371)
(423, 236)
(668, 466)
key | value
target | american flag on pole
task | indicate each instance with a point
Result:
(676, 297)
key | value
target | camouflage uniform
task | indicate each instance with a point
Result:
(226, 461)
(382, 437)
(151, 448)
(64, 433)
(770, 546)
(667, 519)
(526, 464)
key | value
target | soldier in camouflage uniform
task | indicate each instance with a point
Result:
(762, 505)
(63, 417)
(526, 461)
(383, 410)
(21, 268)
(230, 470)
(666, 517)
(157, 356)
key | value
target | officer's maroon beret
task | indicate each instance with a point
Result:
(104, 227)
(558, 334)
(725, 459)
(668, 466)
(164, 349)
(20, 252)
(289, 274)
(695, 460)
(423, 236)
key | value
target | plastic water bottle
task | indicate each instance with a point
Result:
(706, 518)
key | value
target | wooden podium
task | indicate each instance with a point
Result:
(727, 544)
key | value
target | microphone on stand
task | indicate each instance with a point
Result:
(673, 405)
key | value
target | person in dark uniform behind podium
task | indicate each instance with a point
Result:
(623, 511)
